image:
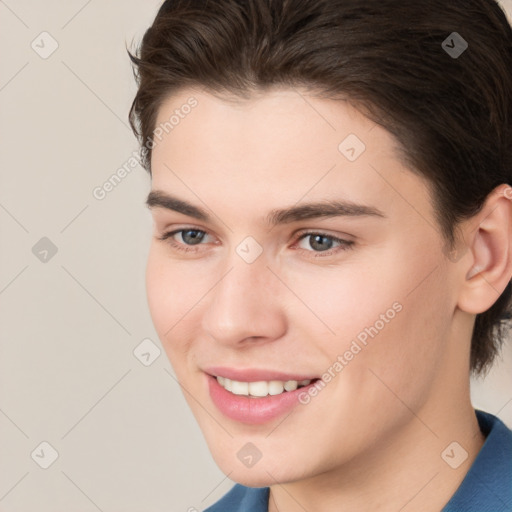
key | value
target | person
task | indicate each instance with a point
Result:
(332, 246)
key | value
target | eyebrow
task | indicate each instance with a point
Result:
(331, 208)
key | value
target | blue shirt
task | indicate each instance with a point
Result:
(487, 487)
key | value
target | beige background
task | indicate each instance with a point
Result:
(125, 438)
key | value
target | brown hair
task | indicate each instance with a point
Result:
(451, 113)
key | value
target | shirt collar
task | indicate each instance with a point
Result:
(487, 486)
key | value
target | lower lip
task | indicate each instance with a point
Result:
(255, 410)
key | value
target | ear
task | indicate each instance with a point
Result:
(487, 266)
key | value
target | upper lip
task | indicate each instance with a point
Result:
(255, 374)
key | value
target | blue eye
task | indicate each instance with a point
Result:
(323, 243)
(190, 237)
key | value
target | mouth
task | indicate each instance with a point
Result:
(261, 388)
(256, 400)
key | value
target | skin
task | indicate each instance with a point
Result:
(372, 438)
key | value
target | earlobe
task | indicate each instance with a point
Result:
(490, 246)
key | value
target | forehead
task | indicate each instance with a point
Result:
(283, 117)
(280, 146)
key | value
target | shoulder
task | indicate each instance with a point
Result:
(242, 499)
(487, 486)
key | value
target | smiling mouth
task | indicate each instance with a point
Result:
(262, 388)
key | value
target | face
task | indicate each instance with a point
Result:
(291, 244)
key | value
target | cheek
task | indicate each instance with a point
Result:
(390, 315)
(167, 294)
(174, 290)
(404, 349)
(156, 286)
(348, 298)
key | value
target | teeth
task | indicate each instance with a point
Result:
(260, 388)
(239, 388)
(291, 385)
(275, 387)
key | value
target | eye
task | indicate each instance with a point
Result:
(189, 238)
(323, 243)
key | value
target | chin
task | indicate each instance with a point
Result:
(250, 479)
(263, 473)
(255, 477)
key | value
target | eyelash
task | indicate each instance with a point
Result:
(343, 244)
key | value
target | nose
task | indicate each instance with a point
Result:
(245, 305)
